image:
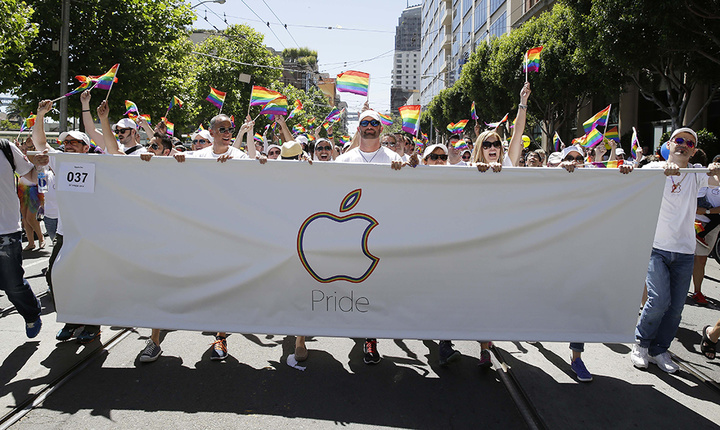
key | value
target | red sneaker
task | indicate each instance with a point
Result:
(699, 298)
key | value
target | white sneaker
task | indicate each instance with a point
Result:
(639, 357)
(664, 362)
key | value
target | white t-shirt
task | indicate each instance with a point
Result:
(138, 151)
(9, 202)
(51, 205)
(713, 197)
(208, 153)
(461, 163)
(381, 156)
(675, 231)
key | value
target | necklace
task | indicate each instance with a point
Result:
(676, 188)
(371, 158)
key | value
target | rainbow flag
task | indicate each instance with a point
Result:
(216, 97)
(170, 126)
(473, 115)
(232, 120)
(199, 129)
(135, 117)
(298, 129)
(532, 60)
(326, 125)
(385, 119)
(344, 138)
(296, 110)
(557, 142)
(635, 144)
(497, 124)
(333, 116)
(278, 106)
(419, 144)
(353, 82)
(258, 137)
(131, 107)
(85, 82)
(614, 164)
(596, 120)
(579, 140)
(593, 138)
(260, 96)
(311, 121)
(425, 137)
(410, 115)
(28, 123)
(105, 82)
(461, 144)
(311, 138)
(613, 134)
(457, 128)
(175, 102)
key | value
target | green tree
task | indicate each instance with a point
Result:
(16, 33)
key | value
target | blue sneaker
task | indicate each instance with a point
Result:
(580, 370)
(32, 329)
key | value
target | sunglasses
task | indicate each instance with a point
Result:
(223, 130)
(466, 157)
(579, 158)
(487, 144)
(123, 130)
(201, 141)
(391, 144)
(154, 146)
(274, 153)
(324, 148)
(434, 157)
(374, 123)
(74, 142)
(688, 143)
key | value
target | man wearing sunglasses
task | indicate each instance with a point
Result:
(370, 150)
(128, 137)
(454, 152)
(672, 257)
(435, 155)
(324, 150)
(221, 132)
(201, 140)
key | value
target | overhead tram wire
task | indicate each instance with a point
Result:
(283, 24)
(320, 27)
(267, 22)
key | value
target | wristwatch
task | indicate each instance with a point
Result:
(707, 211)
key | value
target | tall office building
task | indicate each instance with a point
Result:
(406, 64)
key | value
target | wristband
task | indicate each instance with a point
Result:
(521, 106)
(86, 110)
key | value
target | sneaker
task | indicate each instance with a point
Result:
(447, 353)
(485, 360)
(372, 356)
(580, 370)
(699, 298)
(88, 335)
(151, 352)
(664, 362)
(66, 333)
(639, 357)
(702, 242)
(219, 349)
(32, 329)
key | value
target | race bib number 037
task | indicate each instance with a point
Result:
(77, 177)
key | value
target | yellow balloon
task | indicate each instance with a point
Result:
(526, 141)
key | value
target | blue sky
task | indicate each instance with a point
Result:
(362, 35)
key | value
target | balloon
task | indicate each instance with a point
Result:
(665, 151)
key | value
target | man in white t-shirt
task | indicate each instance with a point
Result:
(221, 132)
(455, 152)
(671, 260)
(12, 281)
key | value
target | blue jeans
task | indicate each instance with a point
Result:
(576, 346)
(11, 277)
(668, 282)
(51, 226)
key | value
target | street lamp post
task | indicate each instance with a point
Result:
(64, 48)
(208, 1)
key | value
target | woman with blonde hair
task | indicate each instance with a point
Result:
(488, 150)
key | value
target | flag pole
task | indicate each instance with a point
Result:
(221, 106)
(526, 67)
(59, 98)
(608, 120)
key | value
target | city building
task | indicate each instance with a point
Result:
(406, 64)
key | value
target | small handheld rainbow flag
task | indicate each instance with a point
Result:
(457, 128)
(200, 128)
(473, 115)
(614, 164)
(131, 107)
(410, 115)
(260, 96)
(460, 145)
(326, 125)
(134, 117)
(579, 140)
(385, 119)
(298, 129)
(28, 123)
(170, 126)
(277, 106)
(497, 124)
(258, 137)
(175, 102)
(532, 60)
(596, 120)
(105, 82)
(85, 82)
(419, 144)
(296, 110)
(344, 138)
(311, 122)
(216, 97)
(353, 82)
(635, 144)
(557, 142)
(613, 134)
(333, 116)
(593, 138)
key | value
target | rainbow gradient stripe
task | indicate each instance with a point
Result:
(278, 106)
(28, 123)
(105, 82)
(557, 142)
(131, 107)
(333, 116)
(532, 60)
(410, 115)
(175, 102)
(385, 119)
(260, 96)
(599, 119)
(216, 97)
(258, 137)
(457, 128)
(593, 138)
(298, 107)
(85, 82)
(473, 114)
(170, 126)
(613, 134)
(353, 82)
(497, 124)
(635, 144)
(614, 164)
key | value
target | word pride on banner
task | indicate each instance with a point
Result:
(343, 262)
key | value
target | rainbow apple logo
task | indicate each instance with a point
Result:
(331, 242)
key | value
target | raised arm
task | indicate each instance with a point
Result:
(285, 135)
(38, 132)
(87, 121)
(145, 126)
(516, 145)
(111, 146)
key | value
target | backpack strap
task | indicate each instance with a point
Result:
(5, 147)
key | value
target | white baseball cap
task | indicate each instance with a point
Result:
(79, 135)
(124, 123)
(433, 147)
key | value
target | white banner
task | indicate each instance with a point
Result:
(357, 250)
